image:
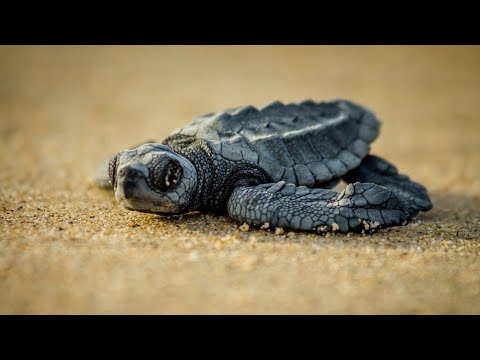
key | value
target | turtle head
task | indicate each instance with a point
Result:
(153, 178)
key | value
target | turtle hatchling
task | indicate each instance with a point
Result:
(271, 166)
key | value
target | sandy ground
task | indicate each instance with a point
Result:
(68, 247)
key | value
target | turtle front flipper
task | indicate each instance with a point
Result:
(376, 170)
(361, 206)
(100, 177)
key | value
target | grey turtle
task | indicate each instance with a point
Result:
(271, 165)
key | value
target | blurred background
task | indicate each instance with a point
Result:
(64, 109)
(82, 96)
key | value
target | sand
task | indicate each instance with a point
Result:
(67, 247)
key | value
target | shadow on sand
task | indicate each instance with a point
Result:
(449, 212)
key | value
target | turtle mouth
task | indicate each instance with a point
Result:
(133, 203)
(141, 205)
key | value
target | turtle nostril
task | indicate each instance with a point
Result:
(129, 173)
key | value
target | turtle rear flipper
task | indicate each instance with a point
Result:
(360, 207)
(379, 171)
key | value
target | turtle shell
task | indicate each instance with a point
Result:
(305, 144)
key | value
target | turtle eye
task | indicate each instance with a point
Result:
(165, 173)
(112, 170)
(173, 175)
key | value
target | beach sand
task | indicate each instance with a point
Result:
(67, 247)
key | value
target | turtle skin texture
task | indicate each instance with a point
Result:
(272, 166)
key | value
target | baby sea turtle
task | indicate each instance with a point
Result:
(271, 165)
